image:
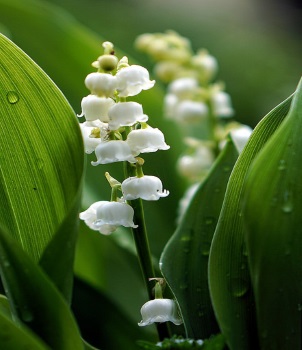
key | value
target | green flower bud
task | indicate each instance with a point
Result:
(108, 63)
(272, 209)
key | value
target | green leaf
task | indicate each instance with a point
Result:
(41, 161)
(184, 262)
(272, 214)
(229, 278)
(34, 299)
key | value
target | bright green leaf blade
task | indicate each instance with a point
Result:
(273, 219)
(34, 299)
(184, 262)
(41, 161)
(229, 277)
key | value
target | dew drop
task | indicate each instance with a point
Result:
(209, 220)
(183, 286)
(217, 190)
(287, 206)
(239, 287)
(12, 97)
(26, 315)
(205, 248)
(282, 165)
(226, 168)
(186, 250)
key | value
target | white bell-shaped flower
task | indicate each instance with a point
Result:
(125, 114)
(222, 106)
(206, 64)
(91, 142)
(95, 107)
(170, 104)
(160, 310)
(240, 136)
(146, 140)
(195, 165)
(132, 80)
(101, 84)
(113, 151)
(188, 111)
(183, 87)
(106, 217)
(147, 187)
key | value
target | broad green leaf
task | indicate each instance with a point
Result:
(229, 278)
(41, 161)
(34, 299)
(102, 323)
(272, 214)
(184, 262)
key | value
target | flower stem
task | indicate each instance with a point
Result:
(143, 249)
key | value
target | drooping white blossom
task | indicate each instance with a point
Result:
(240, 136)
(125, 114)
(160, 310)
(89, 131)
(188, 111)
(196, 164)
(183, 87)
(147, 187)
(113, 151)
(101, 84)
(132, 80)
(221, 104)
(95, 107)
(106, 217)
(146, 140)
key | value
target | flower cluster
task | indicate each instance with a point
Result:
(116, 130)
(200, 106)
(192, 98)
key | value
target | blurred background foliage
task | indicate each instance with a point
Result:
(258, 48)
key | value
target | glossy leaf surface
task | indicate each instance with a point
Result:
(229, 278)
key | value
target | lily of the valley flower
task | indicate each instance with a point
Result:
(240, 136)
(160, 310)
(188, 111)
(125, 114)
(95, 107)
(221, 103)
(101, 84)
(147, 187)
(113, 151)
(146, 140)
(106, 217)
(132, 80)
(88, 129)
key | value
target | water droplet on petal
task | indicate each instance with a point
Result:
(12, 97)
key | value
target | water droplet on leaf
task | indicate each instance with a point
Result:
(12, 97)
